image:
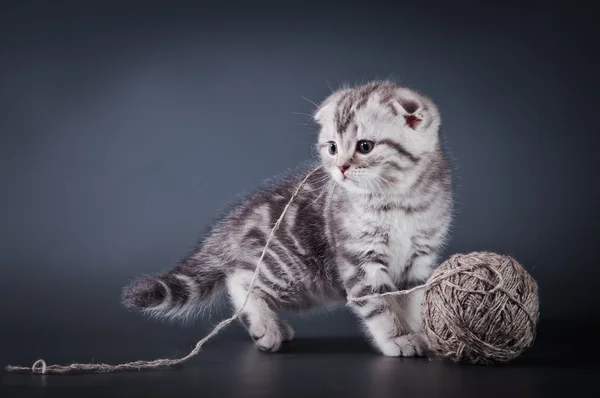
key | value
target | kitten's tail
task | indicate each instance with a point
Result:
(180, 293)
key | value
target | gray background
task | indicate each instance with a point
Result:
(125, 129)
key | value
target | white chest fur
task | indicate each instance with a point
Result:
(387, 232)
(400, 231)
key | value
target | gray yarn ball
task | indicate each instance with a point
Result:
(480, 308)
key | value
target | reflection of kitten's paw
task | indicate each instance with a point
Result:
(408, 345)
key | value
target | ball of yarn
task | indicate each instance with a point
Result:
(480, 308)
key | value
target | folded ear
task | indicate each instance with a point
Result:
(324, 111)
(411, 110)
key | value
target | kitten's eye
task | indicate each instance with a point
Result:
(364, 146)
(332, 147)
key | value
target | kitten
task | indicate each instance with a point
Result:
(371, 219)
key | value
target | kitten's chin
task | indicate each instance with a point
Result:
(348, 183)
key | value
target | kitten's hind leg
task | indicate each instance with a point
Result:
(258, 316)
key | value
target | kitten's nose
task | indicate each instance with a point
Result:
(343, 168)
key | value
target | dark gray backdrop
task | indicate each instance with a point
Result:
(126, 129)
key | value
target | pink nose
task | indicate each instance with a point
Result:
(344, 168)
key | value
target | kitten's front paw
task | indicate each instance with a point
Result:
(408, 345)
(267, 339)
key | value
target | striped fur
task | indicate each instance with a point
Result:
(376, 226)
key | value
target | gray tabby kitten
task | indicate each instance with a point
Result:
(372, 219)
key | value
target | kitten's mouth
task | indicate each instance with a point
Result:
(351, 181)
(348, 178)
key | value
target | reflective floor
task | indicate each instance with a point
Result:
(563, 360)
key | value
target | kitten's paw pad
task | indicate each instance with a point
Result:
(409, 345)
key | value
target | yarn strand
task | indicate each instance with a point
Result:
(40, 366)
(441, 277)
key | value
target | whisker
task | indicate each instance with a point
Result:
(302, 114)
(323, 190)
(330, 196)
(385, 181)
(371, 186)
(306, 99)
(380, 187)
(320, 180)
(323, 185)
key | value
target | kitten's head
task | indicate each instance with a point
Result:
(373, 136)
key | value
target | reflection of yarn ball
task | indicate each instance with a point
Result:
(480, 308)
